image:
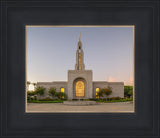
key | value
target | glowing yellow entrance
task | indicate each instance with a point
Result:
(79, 87)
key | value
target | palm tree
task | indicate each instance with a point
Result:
(34, 84)
(28, 83)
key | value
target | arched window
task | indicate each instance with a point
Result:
(97, 91)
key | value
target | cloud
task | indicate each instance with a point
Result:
(111, 79)
(131, 80)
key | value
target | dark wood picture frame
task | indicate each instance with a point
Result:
(144, 123)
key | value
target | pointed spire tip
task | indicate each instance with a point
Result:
(80, 37)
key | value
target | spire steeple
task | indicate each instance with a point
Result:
(79, 56)
(79, 37)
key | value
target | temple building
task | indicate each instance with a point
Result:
(80, 83)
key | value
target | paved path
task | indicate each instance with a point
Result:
(100, 107)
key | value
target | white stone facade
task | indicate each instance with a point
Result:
(90, 86)
(84, 75)
(117, 88)
(56, 84)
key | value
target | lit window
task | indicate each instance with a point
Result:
(62, 89)
(97, 91)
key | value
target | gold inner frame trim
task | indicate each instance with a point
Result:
(133, 26)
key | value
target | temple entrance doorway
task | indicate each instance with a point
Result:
(79, 89)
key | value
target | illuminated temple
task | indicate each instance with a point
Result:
(80, 83)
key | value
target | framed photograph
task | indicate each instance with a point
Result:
(80, 69)
(80, 90)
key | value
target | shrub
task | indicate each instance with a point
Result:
(93, 99)
(60, 95)
(64, 99)
(100, 94)
(35, 98)
(40, 90)
(46, 99)
(30, 93)
(31, 98)
(74, 99)
(114, 98)
(118, 98)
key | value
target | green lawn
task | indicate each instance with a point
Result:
(114, 101)
(61, 101)
(36, 101)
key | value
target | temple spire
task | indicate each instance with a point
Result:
(79, 37)
(79, 56)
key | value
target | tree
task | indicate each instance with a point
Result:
(106, 91)
(52, 92)
(99, 94)
(40, 90)
(128, 91)
(60, 95)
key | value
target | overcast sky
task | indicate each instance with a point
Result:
(108, 52)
